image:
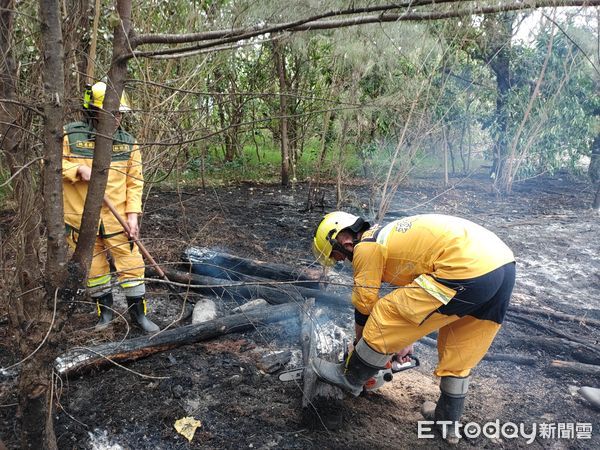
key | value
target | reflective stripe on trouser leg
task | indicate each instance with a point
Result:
(129, 264)
(134, 288)
(99, 276)
(462, 344)
(456, 387)
(369, 356)
(99, 286)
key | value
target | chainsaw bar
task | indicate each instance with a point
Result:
(292, 374)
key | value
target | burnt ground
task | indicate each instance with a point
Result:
(547, 223)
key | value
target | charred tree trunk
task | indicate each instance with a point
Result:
(279, 57)
(574, 367)
(37, 307)
(210, 263)
(29, 313)
(271, 291)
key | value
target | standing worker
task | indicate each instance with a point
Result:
(124, 191)
(452, 275)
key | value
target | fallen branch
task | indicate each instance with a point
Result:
(556, 346)
(522, 360)
(574, 367)
(553, 314)
(83, 358)
(553, 330)
(517, 359)
(273, 292)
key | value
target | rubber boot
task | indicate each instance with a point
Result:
(450, 405)
(352, 375)
(137, 311)
(105, 312)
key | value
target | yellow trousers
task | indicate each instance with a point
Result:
(407, 314)
(126, 257)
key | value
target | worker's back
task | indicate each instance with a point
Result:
(443, 246)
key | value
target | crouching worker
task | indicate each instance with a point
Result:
(124, 190)
(452, 275)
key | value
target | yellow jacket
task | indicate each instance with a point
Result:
(425, 246)
(125, 179)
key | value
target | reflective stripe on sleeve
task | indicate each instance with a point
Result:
(432, 289)
(384, 233)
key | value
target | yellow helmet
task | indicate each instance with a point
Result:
(327, 231)
(94, 96)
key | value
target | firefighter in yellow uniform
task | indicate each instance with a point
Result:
(124, 190)
(452, 275)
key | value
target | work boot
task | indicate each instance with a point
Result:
(137, 311)
(354, 373)
(105, 312)
(449, 406)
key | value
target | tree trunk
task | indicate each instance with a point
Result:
(90, 68)
(500, 29)
(279, 57)
(29, 312)
(54, 99)
(38, 305)
(446, 180)
(77, 43)
(594, 170)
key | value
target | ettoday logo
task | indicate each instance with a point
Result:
(507, 430)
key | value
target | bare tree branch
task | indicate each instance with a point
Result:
(219, 38)
(220, 34)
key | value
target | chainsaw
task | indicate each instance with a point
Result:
(383, 376)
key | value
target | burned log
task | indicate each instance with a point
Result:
(554, 315)
(522, 360)
(587, 343)
(273, 292)
(83, 358)
(557, 346)
(215, 264)
(574, 367)
(321, 402)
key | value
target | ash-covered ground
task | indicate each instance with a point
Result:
(546, 221)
